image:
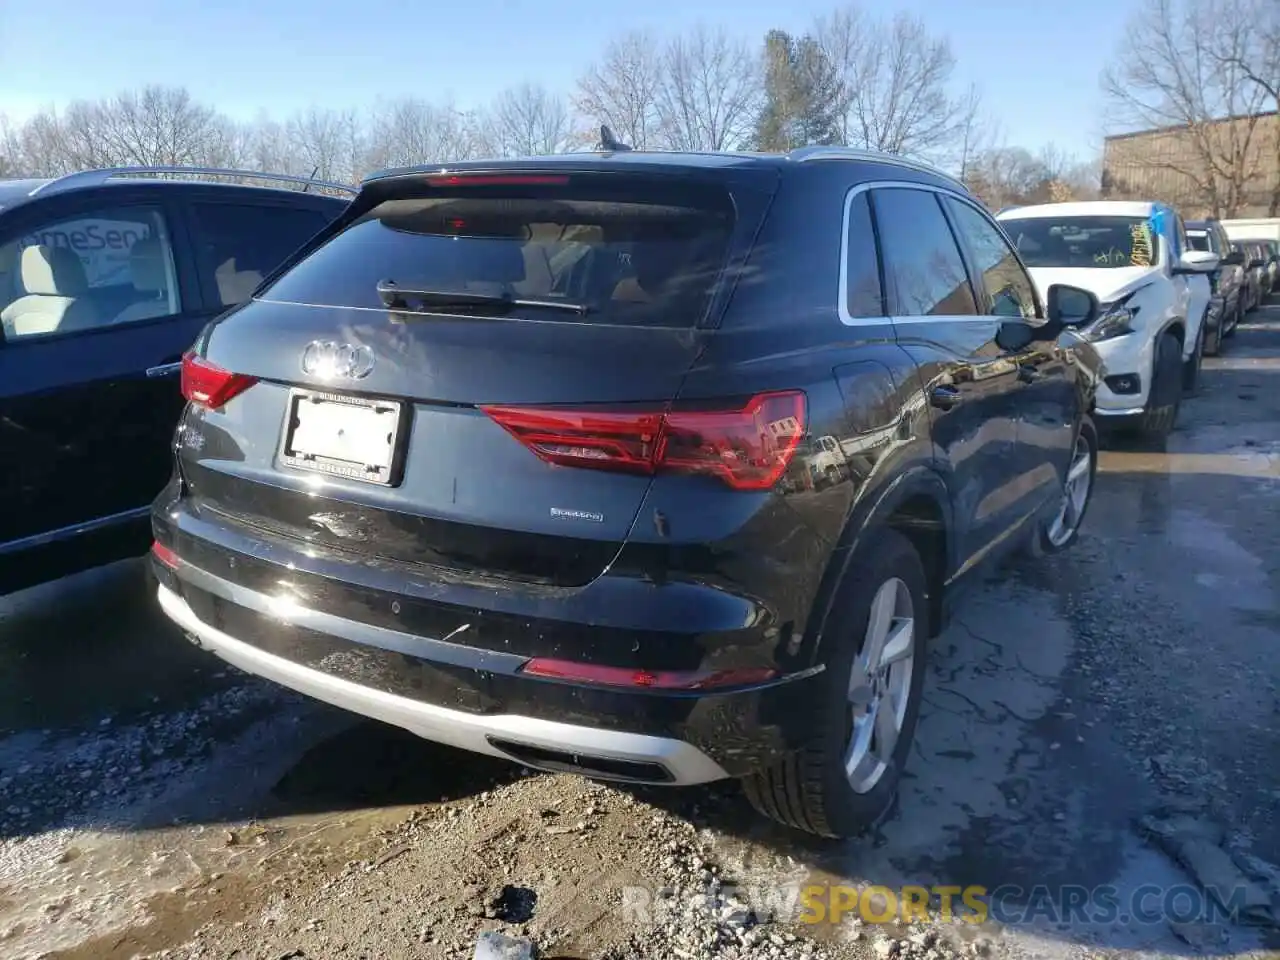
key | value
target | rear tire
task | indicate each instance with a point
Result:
(1165, 397)
(1213, 341)
(1237, 315)
(864, 704)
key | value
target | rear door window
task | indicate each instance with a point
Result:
(863, 297)
(1008, 289)
(922, 264)
(97, 268)
(1200, 240)
(239, 244)
(595, 251)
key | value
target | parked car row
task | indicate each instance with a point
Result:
(1171, 292)
(1262, 258)
(655, 467)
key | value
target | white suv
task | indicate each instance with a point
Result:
(1154, 290)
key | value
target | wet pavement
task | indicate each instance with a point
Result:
(1138, 673)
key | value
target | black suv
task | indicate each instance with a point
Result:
(655, 467)
(1226, 283)
(106, 278)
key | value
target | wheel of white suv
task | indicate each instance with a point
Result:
(1061, 530)
(1165, 397)
(843, 781)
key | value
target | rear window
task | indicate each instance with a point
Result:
(619, 253)
(1198, 241)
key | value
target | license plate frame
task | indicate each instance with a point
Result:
(383, 473)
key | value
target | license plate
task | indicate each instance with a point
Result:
(343, 436)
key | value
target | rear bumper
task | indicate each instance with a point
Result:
(383, 642)
(501, 735)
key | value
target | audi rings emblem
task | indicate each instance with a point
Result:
(330, 360)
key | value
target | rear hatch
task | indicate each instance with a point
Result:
(471, 373)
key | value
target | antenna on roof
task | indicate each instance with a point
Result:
(609, 142)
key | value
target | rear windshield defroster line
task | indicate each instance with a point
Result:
(594, 250)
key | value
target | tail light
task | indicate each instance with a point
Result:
(574, 672)
(164, 554)
(208, 385)
(748, 447)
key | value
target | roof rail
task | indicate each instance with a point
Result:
(805, 154)
(91, 178)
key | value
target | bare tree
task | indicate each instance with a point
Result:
(155, 126)
(622, 90)
(709, 92)
(265, 145)
(1175, 69)
(410, 131)
(1005, 176)
(528, 120)
(10, 161)
(319, 143)
(977, 132)
(895, 80)
(1256, 54)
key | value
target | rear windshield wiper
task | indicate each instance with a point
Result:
(397, 297)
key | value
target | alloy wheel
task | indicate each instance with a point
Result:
(1075, 494)
(880, 686)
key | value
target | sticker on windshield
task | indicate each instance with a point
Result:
(1140, 245)
(103, 245)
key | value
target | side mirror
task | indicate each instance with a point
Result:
(1069, 306)
(1233, 259)
(1257, 262)
(1196, 261)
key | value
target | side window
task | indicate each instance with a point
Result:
(1006, 284)
(922, 264)
(863, 297)
(112, 265)
(238, 244)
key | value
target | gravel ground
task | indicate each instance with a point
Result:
(1108, 717)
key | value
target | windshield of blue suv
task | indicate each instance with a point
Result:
(1091, 242)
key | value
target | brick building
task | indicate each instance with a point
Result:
(1168, 164)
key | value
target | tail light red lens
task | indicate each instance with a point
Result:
(164, 554)
(748, 447)
(646, 679)
(208, 385)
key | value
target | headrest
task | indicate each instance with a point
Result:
(52, 272)
(146, 263)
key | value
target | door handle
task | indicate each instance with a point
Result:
(1028, 374)
(164, 369)
(945, 397)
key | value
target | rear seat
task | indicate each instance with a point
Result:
(235, 286)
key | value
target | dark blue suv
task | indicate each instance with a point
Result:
(655, 467)
(106, 278)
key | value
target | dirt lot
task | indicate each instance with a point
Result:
(155, 803)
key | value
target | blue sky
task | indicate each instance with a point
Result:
(1037, 64)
